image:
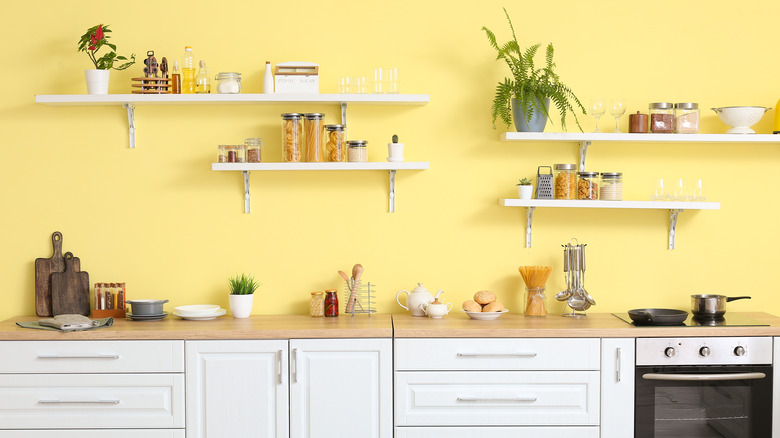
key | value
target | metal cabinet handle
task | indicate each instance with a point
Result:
(618, 364)
(497, 399)
(78, 356)
(279, 365)
(295, 365)
(703, 377)
(496, 354)
(112, 402)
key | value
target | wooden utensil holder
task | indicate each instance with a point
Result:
(152, 85)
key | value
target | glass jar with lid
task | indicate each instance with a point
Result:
(317, 304)
(662, 118)
(335, 147)
(228, 83)
(240, 153)
(254, 148)
(565, 177)
(358, 152)
(611, 186)
(588, 185)
(292, 133)
(222, 154)
(686, 118)
(313, 127)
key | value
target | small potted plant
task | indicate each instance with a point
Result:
(241, 298)
(525, 189)
(92, 41)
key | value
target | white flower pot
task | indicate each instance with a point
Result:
(241, 305)
(525, 192)
(97, 81)
(395, 152)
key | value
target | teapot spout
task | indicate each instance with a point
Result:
(437, 294)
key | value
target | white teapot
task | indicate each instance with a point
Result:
(436, 309)
(417, 296)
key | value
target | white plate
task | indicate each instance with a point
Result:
(485, 315)
(201, 317)
(198, 309)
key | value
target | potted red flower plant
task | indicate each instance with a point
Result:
(91, 42)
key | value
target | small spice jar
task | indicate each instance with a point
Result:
(358, 152)
(686, 118)
(240, 150)
(335, 147)
(661, 118)
(292, 134)
(313, 127)
(588, 185)
(231, 153)
(253, 150)
(317, 304)
(331, 303)
(611, 186)
(565, 176)
(222, 153)
(228, 83)
(535, 302)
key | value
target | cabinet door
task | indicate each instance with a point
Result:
(237, 389)
(776, 392)
(341, 388)
(617, 388)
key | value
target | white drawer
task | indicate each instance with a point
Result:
(94, 401)
(92, 433)
(501, 398)
(496, 432)
(497, 354)
(52, 357)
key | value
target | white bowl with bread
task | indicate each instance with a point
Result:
(484, 306)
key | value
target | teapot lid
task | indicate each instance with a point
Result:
(420, 288)
(436, 301)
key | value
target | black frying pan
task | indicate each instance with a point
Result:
(658, 316)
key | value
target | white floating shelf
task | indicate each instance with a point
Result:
(636, 138)
(391, 167)
(674, 208)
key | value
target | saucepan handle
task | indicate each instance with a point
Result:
(728, 299)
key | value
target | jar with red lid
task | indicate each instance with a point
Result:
(331, 303)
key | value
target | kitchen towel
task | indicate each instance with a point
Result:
(68, 323)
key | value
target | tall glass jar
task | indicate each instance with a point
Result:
(565, 176)
(535, 302)
(254, 148)
(317, 304)
(588, 185)
(292, 133)
(611, 186)
(222, 154)
(335, 147)
(357, 151)
(314, 148)
(662, 118)
(240, 153)
(231, 154)
(686, 118)
(331, 303)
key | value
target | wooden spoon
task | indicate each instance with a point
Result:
(357, 272)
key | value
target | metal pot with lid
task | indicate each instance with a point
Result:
(711, 306)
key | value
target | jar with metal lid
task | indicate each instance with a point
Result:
(686, 118)
(254, 148)
(292, 133)
(231, 153)
(313, 127)
(588, 185)
(335, 147)
(228, 83)
(358, 152)
(565, 176)
(611, 186)
(222, 154)
(317, 304)
(331, 303)
(662, 118)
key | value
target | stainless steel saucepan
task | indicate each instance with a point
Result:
(711, 306)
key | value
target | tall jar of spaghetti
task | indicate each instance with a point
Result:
(335, 146)
(314, 147)
(565, 181)
(292, 133)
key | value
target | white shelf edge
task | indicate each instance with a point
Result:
(637, 138)
(378, 165)
(647, 205)
(228, 99)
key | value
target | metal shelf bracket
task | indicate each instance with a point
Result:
(583, 153)
(673, 225)
(391, 195)
(247, 200)
(343, 113)
(529, 216)
(130, 122)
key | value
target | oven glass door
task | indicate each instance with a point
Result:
(703, 402)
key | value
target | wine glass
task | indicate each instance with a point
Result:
(617, 108)
(597, 109)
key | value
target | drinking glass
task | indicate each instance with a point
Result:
(680, 192)
(391, 76)
(597, 109)
(617, 108)
(661, 191)
(344, 85)
(379, 81)
(696, 191)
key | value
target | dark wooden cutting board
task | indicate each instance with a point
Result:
(43, 270)
(70, 290)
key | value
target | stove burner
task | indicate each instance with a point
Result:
(730, 320)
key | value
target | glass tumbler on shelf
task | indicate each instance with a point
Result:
(535, 302)
(696, 191)
(292, 134)
(661, 192)
(680, 191)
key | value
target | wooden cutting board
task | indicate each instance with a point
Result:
(70, 290)
(43, 270)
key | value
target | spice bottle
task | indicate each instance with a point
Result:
(253, 150)
(357, 151)
(686, 118)
(313, 127)
(292, 131)
(565, 181)
(611, 186)
(335, 147)
(661, 118)
(588, 185)
(175, 79)
(331, 303)
(316, 305)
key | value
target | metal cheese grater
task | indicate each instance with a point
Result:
(544, 183)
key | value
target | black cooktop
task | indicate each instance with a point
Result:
(728, 320)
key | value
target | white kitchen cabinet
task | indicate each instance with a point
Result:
(496, 432)
(237, 389)
(93, 433)
(776, 391)
(341, 388)
(617, 387)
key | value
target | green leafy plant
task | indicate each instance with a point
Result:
(524, 182)
(529, 84)
(92, 41)
(243, 285)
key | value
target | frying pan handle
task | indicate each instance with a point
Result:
(736, 298)
(646, 314)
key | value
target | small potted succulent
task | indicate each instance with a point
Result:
(92, 41)
(525, 189)
(241, 298)
(395, 150)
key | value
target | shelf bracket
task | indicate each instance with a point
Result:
(344, 113)
(583, 153)
(529, 216)
(247, 202)
(673, 225)
(130, 122)
(391, 195)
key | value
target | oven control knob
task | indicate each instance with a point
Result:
(669, 352)
(704, 351)
(739, 351)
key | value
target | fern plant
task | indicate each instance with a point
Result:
(529, 84)
(243, 285)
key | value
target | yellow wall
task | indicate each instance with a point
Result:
(159, 219)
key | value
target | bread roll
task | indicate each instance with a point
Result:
(494, 307)
(471, 306)
(484, 297)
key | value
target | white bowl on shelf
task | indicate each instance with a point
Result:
(741, 118)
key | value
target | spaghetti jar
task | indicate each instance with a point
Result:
(313, 126)
(292, 131)
(316, 305)
(331, 303)
(357, 151)
(611, 186)
(662, 118)
(335, 147)
(535, 302)
(588, 185)
(253, 149)
(565, 181)
(686, 118)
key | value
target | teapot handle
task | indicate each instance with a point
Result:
(449, 307)
(398, 298)
(424, 308)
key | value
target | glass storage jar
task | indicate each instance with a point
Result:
(358, 152)
(535, 302)
(254, 148)
(565, 176)
(331, 303)
(611, 186)
(292, 131)
(317, 304)
(588, 185)
(686, 118)
(335, 147)
(222, 154)
(240, 153)
(662, 118)
(228, 83)
(313, 127)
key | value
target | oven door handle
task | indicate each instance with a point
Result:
(703, 377)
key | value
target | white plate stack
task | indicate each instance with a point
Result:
(199, 312)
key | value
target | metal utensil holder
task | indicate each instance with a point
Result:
(544, 183)
(365, 301)
(578, 300)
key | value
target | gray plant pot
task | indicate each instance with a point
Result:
(538, 118)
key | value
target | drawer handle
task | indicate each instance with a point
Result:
(496, 354)
(112, 402)
(496, 399)
(93, 356)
